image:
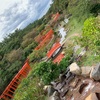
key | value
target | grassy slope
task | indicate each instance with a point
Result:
(80, 12)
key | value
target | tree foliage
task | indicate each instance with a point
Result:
(91, 34)
(14, 55)
(48, 71)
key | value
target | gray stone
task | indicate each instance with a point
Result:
(62, 77)
(70, 79)
(74, 68)
(95, 72)
(68, 75)
(64, 91)
(60, 85)
(67, 70)
(55, 96)
(86, 71)
(51, 90)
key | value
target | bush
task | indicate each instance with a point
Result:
(91, 34)
(45, 71)
(48, 71)
(37, 55)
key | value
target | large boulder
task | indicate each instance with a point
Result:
(86, 71)
(74, 68)
(95, 72)
(92, 96)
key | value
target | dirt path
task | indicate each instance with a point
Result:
(68, 38)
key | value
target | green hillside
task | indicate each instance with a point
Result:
(84, 19)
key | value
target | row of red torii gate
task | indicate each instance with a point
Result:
(23, 72)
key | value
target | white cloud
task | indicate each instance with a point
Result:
(19, 13)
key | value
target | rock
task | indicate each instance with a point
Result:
(55, 93)
(68, 75)
(74, 68)
(82, 52)
(60, 85)
(74, 82)
(55, 96)
(66, 20)
(64, 91)
(45, 87)
(92, 96)
(70, 79)
(62, 77)
(96, 88)
(86, 71)
(67, 70)
(95, 72)
(51, 90)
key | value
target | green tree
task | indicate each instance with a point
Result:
(14, 55)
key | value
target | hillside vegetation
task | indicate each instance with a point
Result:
(18, 46)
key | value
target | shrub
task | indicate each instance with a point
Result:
(91, 34)
(37, 55)
(45, 71)
(48, 71)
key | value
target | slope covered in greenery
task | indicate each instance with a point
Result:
(15, 49)
(18, 46)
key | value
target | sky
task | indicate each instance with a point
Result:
(19, 13)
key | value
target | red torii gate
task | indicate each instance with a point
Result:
(10, 89)
(53, 49)
(56, 16)
(48, 36)
(59, 58)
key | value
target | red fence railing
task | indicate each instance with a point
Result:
(10, 89)
(59, 58)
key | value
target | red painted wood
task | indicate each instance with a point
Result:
(9, 91)
(56, 17)
(58, 58)
(53, 49)
(47, 37)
